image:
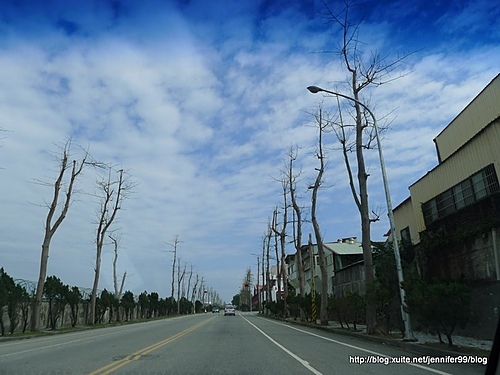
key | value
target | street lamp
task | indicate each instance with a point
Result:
(404, 315)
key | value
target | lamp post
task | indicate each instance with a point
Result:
(404, 315)
(314, 309)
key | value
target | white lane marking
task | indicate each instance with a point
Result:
(303, 362)
(357, 347)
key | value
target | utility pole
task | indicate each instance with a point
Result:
(314, 310)
(258, 280)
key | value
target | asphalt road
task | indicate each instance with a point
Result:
(210, 344)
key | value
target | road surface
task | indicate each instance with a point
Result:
(211, 344)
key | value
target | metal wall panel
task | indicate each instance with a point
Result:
(477, 154)
(404, 216)
(479, 113)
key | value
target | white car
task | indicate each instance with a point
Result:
(229, 310)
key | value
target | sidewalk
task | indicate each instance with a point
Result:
(426, 344)
(427, 338)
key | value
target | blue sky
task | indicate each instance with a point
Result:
(200, 101)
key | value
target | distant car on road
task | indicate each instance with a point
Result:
(229, 310)
(215, 310)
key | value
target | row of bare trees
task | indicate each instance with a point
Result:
(112, 188)
(189, 284)
(245, 295)
(352, 127)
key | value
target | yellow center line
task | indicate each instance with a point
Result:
(113, 366)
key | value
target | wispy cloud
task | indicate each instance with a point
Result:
(200, 104)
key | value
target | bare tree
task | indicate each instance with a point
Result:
(118, 291)
(263, 270)
(267, 246)
(174, 245)
(111, 193)
(277, 257)
(317, 232)
(193, 295)
(180, 277)
(189, 281)
(362, 73)
(297, 225)
(53, 221)
(245, 295)
(183, 286)
(258, 285)
(264, 295)
(200, 290)
(281, 234)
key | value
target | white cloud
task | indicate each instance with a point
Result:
(202, 115)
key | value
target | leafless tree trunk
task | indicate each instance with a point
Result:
(188, 293)
(193, 295)
(268, 276)
(201, 292)
(361, 74)
(317, 232)
(278, 262)
(297, 227)
(183, 287)
(176, 242)
(264, 297)
(180, 277)
(245, 295)
(52, 226)
(281, 233)
(118, 292)
(111, 194)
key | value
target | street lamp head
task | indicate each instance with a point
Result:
(314, 89)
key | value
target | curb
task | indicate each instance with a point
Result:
(414, 347)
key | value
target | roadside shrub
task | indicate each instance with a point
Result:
(439, 306)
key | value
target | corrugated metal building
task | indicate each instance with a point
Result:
(466, 147)
(451, 220)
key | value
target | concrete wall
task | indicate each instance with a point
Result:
(485, 298)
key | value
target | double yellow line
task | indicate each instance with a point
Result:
(113, 366)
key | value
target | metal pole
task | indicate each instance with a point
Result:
(258, 281)
(404, 315)
(314, 310)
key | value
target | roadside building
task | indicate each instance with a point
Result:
(338, 255)
(452, 217)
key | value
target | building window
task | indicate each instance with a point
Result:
(464, 195)
(491, 179)
(478, 186)
(445, 203)
(430, 211)
(406, 238)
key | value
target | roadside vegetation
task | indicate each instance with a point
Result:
(65, 308)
